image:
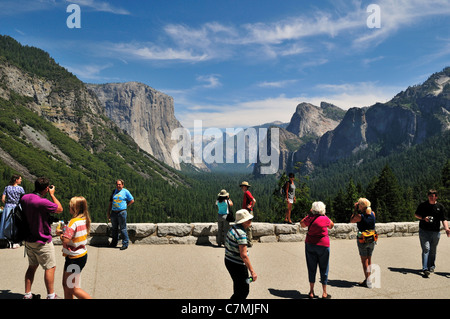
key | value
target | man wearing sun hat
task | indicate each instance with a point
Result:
(236, 255)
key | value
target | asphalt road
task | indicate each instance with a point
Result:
(192, 272)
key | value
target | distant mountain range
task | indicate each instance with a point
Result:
(409, 119)
(94, 114)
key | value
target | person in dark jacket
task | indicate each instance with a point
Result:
(431, 214)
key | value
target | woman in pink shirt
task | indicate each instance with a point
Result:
(317, 246)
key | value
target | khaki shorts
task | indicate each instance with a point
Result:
(41, 254)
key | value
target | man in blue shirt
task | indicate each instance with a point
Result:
(120, 199)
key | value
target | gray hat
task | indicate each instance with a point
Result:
(242, 216)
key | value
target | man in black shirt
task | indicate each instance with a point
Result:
(430, 213)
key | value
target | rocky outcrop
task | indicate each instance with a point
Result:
(307, 123)
(146, 114)
(311, 121)
(408, 119)
(74, 110)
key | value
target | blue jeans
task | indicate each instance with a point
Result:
(119, 223)
(428, 241)
(5, 223)
(317, 256)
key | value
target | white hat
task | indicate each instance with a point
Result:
(242, 216)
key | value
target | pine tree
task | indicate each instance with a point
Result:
(339, 208)
(444, 190)
(386, 197)
(303, 203)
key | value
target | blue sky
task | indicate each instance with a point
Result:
(238, 63)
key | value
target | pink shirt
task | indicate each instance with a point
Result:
(318, 230)
(37, 211)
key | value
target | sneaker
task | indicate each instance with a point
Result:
(123, 247)
(426, 273)
(31, 296)
(56, 297)
(363, 283)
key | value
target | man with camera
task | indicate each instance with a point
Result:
(430, 213)
(38, 244)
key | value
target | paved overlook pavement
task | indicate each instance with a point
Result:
(197, 272)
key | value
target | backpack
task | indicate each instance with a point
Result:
(368, 237)
(19, 226)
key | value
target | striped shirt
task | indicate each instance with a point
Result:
(76, 231)
(236, 236)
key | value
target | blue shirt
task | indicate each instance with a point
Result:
(223, 207)
(120, 199)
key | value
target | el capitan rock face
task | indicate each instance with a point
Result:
(146, 114)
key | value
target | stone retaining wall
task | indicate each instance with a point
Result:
(205, 233)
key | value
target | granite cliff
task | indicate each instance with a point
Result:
(309, 122)
(146, 114)
(408, 119)
(74, 110)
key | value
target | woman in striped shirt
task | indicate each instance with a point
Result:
(74, 241)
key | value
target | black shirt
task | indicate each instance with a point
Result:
(436, 210)
(367, 222)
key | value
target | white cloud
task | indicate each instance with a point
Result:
(101, 6)
(276, 84)
(89, 72)
(398, 14)
(14, 7)
(154, 52)
(212, 81)
(281, 108)
(325, 32)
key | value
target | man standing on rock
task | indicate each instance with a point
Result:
(120, 199)
(430, 213)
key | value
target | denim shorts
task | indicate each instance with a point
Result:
(365, 249)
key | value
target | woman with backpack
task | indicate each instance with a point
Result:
(11, 196)
(364, 218)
